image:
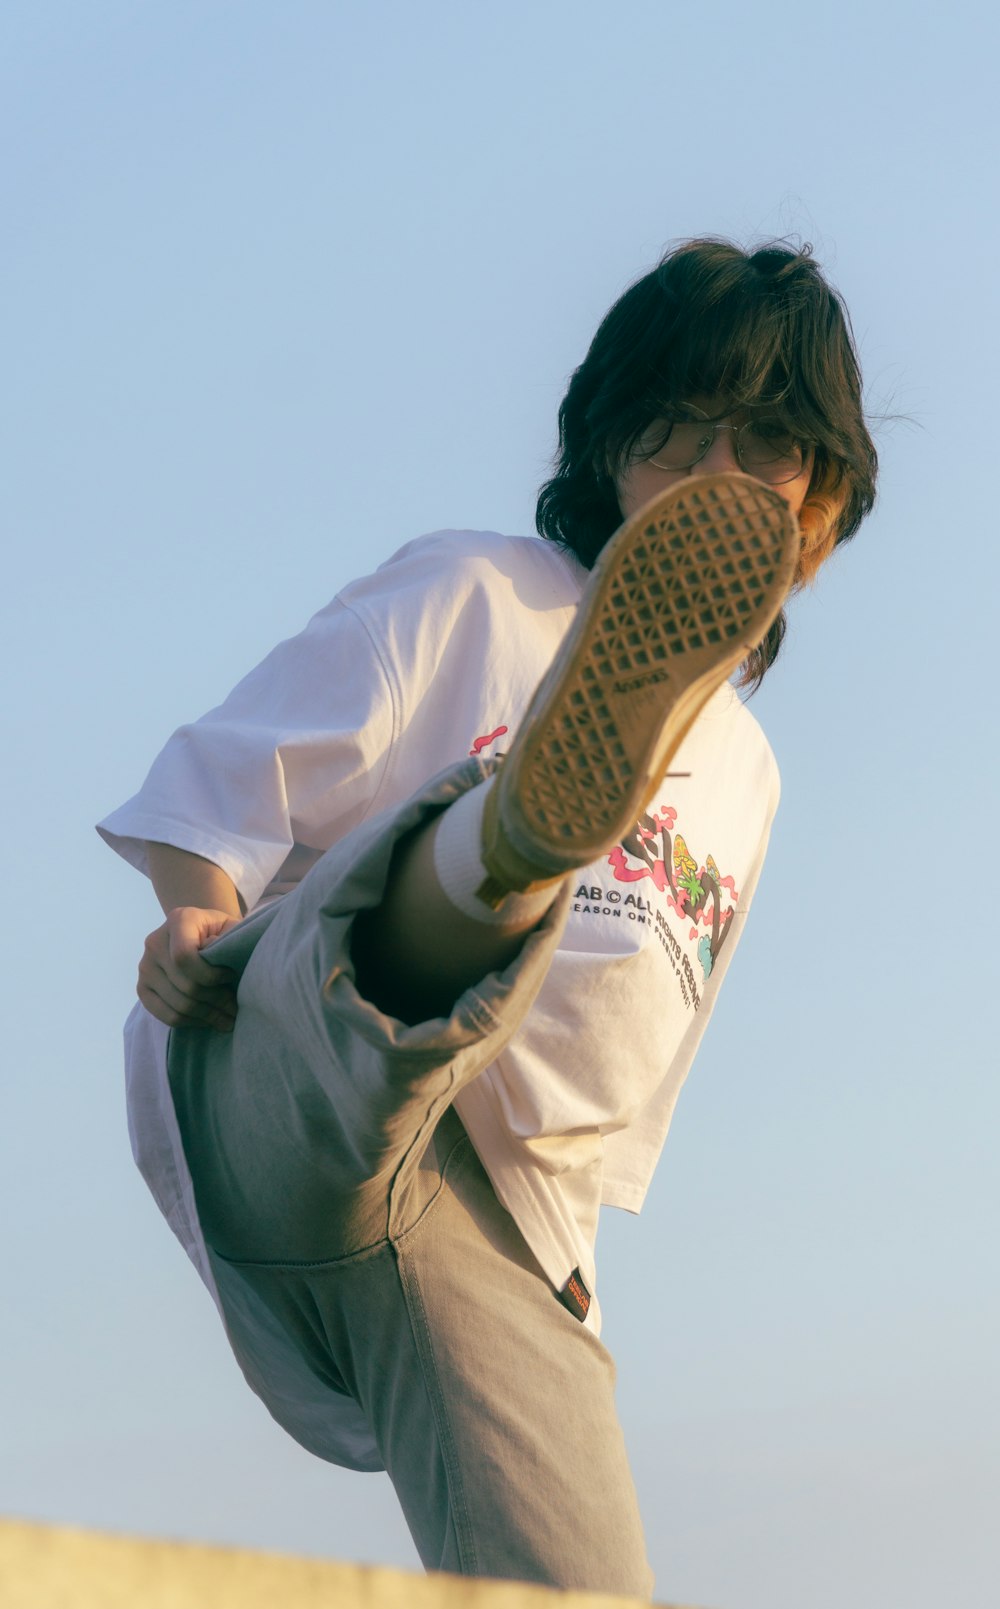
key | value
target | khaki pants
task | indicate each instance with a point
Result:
(335, 1180)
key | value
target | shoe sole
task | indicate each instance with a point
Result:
(679, 597)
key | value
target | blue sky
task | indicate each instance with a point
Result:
(285, 286)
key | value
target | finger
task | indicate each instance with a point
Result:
(160, 973)
(221, 995)
(182, 1002)
(188, 961)
(222, 975)
(186, 932)
(190, 1017)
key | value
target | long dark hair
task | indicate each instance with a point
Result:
(753, 327)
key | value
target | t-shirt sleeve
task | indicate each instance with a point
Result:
(290, 761)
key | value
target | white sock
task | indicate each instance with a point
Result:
(458, 847)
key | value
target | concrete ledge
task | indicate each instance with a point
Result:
(56, 1567)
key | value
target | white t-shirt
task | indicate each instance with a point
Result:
(432, 658)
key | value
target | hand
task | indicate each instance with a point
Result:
(176, 984)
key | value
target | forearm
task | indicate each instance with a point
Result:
(180, 878)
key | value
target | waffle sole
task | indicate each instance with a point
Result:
(681, 594)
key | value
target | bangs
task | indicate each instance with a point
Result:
(750, 330)
(756, 329)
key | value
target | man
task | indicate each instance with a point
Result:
(464, 1023)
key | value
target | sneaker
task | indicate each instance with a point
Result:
(681, 594)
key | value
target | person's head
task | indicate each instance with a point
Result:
(753, 338)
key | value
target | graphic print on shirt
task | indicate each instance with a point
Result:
(702, 900)
(655, 850)
(481, 743)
